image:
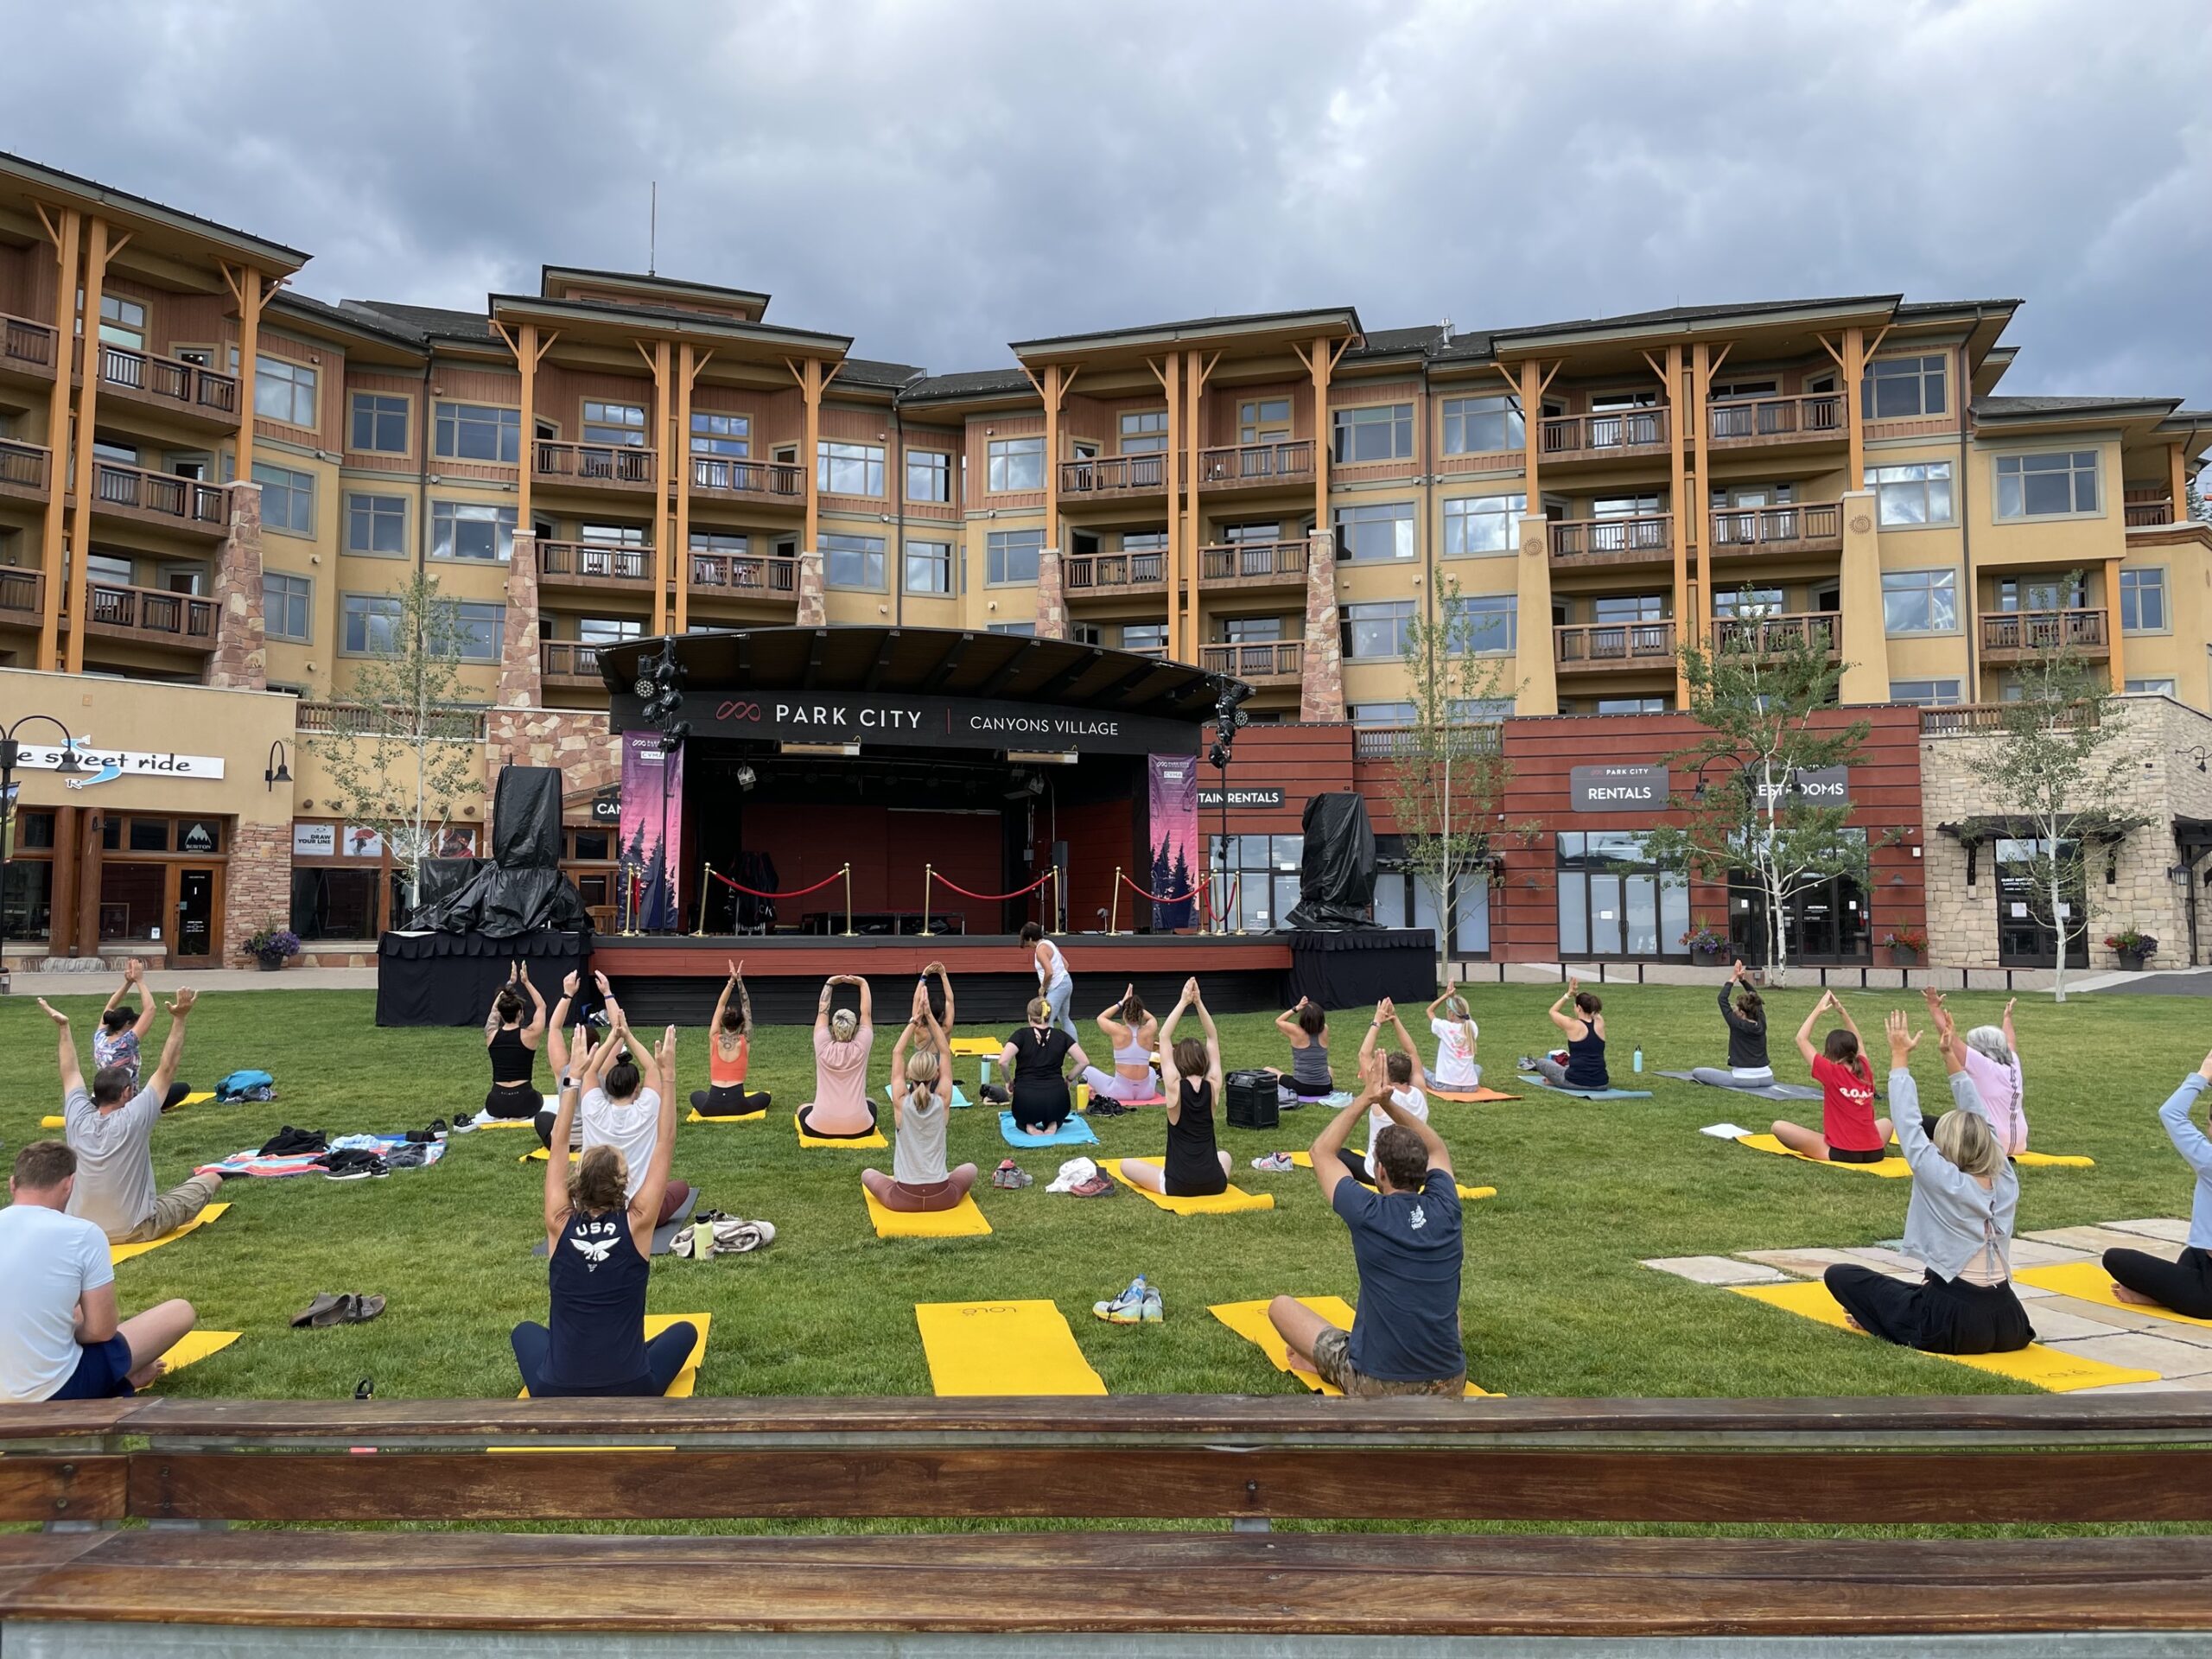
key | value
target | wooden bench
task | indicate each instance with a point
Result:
(188, 1467)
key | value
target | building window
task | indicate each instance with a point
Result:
(1479, 426)
(478, 432)
(1487, 622)
(1920, 601)
(283, 390)
(1481, 523)
(477, 626)
(2143, 602)
(338, 902)
(380, 423)
(1144, 636)
(1917, 494)
(929, 475)
(1375, 432)
(1405, 899)
(2150, 688)
(849, 469)
(108, 567)
(929, 567)
(1263, 420)
(1748, 602)
(852, 560)
(471, 530)
(1010, 556)
(1372, 534)
(1144, 432)
(376, 524)
(1613, 902)
(1926, 694)
(122, 322)
(727, 435)
(1250, 629)
(27, 897)
(2047, 485)
(1261, 870)
(369, 624)
(1377, 630)
(608, 630)
(1898, 388)
(1634, 705)
(1384, 715)
(1016, 464)
(284, 606)
(287, 498)
(1025, 630)
(620, 424)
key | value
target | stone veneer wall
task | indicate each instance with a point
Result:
(2164, 784)
(1321, 670)
(258, 887)
(578, 740)
(1051, 596)
(241, 659)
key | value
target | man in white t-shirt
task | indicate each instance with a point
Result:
(60, 1338)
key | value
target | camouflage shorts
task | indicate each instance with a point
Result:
(1332, 1360)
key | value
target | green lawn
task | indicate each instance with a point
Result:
(1555, 1302)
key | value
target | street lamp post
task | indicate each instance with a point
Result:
(10, 753)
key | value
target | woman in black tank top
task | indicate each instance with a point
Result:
(1586, 1043)
(1033, 1058)
(512, 1042)
(1190, 1076)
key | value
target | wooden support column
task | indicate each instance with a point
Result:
(2177, 484)
(246, 289)
(62, 899)
(1195, 374)
(687, 378)
(2118, 660)
(1322, 366)
(809, 385)
(1695, 628)
(1532, 383)
(1169, 373)
(1050, 393)
(525, 345)
(97, 254)
(1853, 363)
(63, 226)
(88, 878)
(658, 360)
(1688, 515)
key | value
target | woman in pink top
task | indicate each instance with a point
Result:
(840, 1109)
(1991, 1055)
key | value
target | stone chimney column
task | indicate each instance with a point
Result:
(522, 683)
(1321, 675)
(240, 661)
(1051, 596)
(812, 611)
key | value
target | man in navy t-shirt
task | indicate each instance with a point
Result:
(1406, 1237)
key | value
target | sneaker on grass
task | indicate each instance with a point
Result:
(1127, 1308)
(1155, 1310)
(1011, 1175)
(1274, 1163)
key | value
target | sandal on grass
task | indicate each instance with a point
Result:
(347, 1308)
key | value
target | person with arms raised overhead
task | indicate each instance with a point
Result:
(1849, 1131)
(2185, 1285)
(116, 1043)
(1402, 1066)
(1452, 1023)
(1585, 1064)
(920, 1102)
(111, 1128)
(1306, 1028)
(60, 1338)
(1190, 1075)
(1991, 1056)
(1132, 1032)
(841, 1110)
(1745, 1016)
(511, 1034)
(729, 1054)
(1407, 1242)
(625, 1106)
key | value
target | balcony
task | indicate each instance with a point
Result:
(1103, 477)
(25, 470)
(1747, 532)
(1274, 663)
(162, 499)
(1763, 423)
(1253, 564)
(331, 719)
(2014, 636)
(564, 662)
(1604, 646)
(22, 598)
(744, 575)
(1112, 575)
(1609, 543)
(595, 565)
(1768, 636)
(1615, 435)
(1256, 466)
(27, 351)
(150, 616)
(200, 395)
(747, 480)
(1389, 742)
(2145, 508)
(595, 466)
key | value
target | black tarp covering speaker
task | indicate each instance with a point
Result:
(1336, 879)
(522, 889)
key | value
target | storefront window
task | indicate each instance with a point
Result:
(27, 899)
(1614, 902)
(1825, 923)
(2027, 936)
(334, 903)
(1404, 899)
(1263, 870)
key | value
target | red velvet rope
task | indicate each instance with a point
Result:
(1197, 887)
(796, 892)
(1019, 892)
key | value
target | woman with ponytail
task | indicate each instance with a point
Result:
(921, 1098)
(1455, 1030)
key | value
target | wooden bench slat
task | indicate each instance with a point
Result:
(1305, 1584)
(69, 1487)
(68, 1420)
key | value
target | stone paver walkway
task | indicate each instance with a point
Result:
(204, 980)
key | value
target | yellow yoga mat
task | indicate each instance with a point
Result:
(194, 1346)
(1218, 1204)
(1890, 1168)
(688, 1378)
(976, 1048)
(1003, 1347)
(2089, 1282)
(125, 1252)
(475, 1123)
(1305, 1161)
(2052, 1161)
(193, 1099)
(964, 1220)
(806, 1139)
(539, 1155)
(1249, 1320)
(697, 1116)
(2041, 1367)
(1468, 1097)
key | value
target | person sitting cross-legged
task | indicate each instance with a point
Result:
(2185, 1284)
(1849, 1131)
(728, 1051)
(625, 1101)
(110, 1127)
(922, 1099)
(116, 1043)
(60, 1338)
(1190, 1076)
(1407, 1241)
(841, 1110)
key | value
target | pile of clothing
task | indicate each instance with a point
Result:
(348, 1158)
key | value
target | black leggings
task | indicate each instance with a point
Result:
(729, 1100)
(665, 1357)
(2185, 1285)
(1938, 1316)
(518, 1100)
(175, 1098)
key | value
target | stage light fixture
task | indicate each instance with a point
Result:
(745, 777)
(643, 686)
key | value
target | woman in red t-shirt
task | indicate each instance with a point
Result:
(1849, 1132)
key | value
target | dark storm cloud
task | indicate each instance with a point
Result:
(938, 179)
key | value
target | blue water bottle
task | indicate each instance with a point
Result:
(1636, 1060)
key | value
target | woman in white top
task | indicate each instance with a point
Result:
(1991, 1056)
(919, 1180)
(1407, 1080)
(1456, 1065)
(1132, 1032)
(1054, 982)
(622, 1108)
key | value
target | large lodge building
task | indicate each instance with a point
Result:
(254, 472)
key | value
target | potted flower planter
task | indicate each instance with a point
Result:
(2133, 949)
(2133, 961)
(1903, 955)
(272, 961)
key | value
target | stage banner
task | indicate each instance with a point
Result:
(651, 870)
(1174, 830)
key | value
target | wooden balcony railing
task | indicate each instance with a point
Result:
(1607, 645)
(1621, 429)
(1812, 523)
(1253, 561)
(2016, 632)
(1816, 412)
(1388, 742)
(2149, 512)
(153, 614)
(595, 463)
(1114, 475)
(745, 574)
(1609, 539)
(24, 467)
(186, 500)
(164, 378)
(1256, 463)
(1259, 664)
(595, 561)
(561, 659)
(726, 476)
(23, 595)
(27, 345)
(1766, 635)
(1108, 572)
(1965, 719)
(333, 719)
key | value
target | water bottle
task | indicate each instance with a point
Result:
(1636, 1060)
(703, 1237)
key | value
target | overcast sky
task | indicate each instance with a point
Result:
(938, 179)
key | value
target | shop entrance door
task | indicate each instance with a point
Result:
(196, 917)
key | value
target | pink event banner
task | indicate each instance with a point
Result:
(651, 873)
(1173, 821)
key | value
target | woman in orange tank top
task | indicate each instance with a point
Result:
(728, 1053)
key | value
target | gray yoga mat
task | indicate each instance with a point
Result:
(1541, 1082)
(1765, 1092)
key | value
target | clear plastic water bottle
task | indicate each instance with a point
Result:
(1636, 1060)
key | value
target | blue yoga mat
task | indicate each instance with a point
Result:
(1073, 1133)
(958, 1099)
(1538, 1079)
